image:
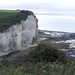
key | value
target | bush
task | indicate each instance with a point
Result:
(45, 52)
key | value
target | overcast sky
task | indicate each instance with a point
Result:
(45, 6)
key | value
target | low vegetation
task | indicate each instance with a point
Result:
(40, 68)
(45, 52)
(7, 13)
(45, 67)
(12, 17)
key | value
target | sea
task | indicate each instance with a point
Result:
(65, 23)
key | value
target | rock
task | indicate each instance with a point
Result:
(20, 35)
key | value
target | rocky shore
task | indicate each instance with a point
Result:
(64, 41)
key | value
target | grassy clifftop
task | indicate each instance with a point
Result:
(12, 17)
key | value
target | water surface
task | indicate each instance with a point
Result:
(64, 23)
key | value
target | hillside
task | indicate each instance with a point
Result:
(18, 30)
(12, 17)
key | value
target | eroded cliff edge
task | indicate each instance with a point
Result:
(19, 36)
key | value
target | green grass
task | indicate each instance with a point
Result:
(7, 13)
(40, 68)
(12, 17)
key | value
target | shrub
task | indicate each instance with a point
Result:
(45, 52)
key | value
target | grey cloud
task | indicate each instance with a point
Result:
(41, 6)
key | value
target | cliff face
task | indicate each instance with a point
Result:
(20, 35)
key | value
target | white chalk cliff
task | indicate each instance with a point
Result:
(20, 35)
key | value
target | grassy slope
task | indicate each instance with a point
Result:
(7, 13)
(40, 68)
(18, 64)
(12, 17)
